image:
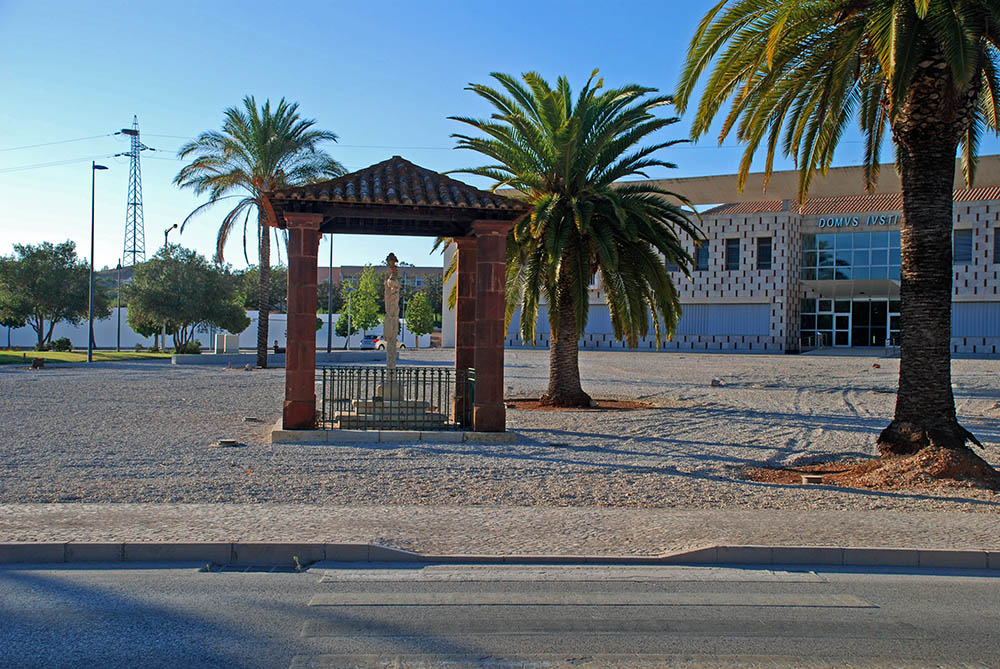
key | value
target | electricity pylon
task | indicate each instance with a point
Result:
(135, 234)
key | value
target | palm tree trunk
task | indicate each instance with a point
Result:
(926, 131)
(263, 301)
(564, 354)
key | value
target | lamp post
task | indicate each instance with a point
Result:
(350, 296)
(166, 234)
(118, 338)
(329, 303)
(163, 329)
(90, 308)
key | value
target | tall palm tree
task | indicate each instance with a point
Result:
(257, 151)
(798, 71)
(568, 157)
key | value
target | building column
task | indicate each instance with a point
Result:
(465, 320)
(300, 351)
(489, 414)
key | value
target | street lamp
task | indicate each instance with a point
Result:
(329, 303)
(350, 295)
(166, 233)
(90, 319)
(163, 328)
(118, 339)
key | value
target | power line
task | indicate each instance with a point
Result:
(19, 168)
(56, 163)
(62, 141)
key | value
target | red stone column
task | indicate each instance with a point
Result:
(465, 318)
(489, 414)
(300, 351)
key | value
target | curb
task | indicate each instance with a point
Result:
(261, 553)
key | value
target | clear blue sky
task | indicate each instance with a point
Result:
(383, 76)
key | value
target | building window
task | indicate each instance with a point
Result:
(701, 259)
(996, 246)
(672, 266)
(732, 254)
(963, 247)
(851, 255)
(763, 253)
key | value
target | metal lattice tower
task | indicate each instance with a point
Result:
(135, 235)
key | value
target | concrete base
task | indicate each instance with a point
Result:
(279, 435)
(273, 359)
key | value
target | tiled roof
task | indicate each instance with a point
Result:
(398, 181)
(737, 208)
(844, 205)
(977, 194)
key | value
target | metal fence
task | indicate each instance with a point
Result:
(406, 398)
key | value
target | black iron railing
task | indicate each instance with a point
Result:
(406, 398)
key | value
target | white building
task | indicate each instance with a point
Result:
(777, 277)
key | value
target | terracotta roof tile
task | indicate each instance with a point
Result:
(844, 205)
(738, 208)
(398, 181)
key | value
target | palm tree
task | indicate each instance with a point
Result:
(798, 71)
(567, 157)
(257, 151)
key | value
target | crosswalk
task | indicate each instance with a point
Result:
(582, 616)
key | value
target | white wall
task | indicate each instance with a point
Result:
(105, 334)
(278, 330)
(448, 315)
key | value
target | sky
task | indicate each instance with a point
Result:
(383, 76)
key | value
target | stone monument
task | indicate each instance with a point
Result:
(392, 389)
(390, 328)
(400, 403)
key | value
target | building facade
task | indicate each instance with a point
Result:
(774, 277)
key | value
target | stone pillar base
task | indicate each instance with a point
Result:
(299, 415)
(489, 417)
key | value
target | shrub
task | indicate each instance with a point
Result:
(139, 347)
(62, 344)
(43, 347)
(193, 346)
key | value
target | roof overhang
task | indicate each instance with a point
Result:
(846, 288)
(396, 197)
(784, 185)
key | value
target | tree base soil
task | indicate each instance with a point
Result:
(931, 467)
(596, 405)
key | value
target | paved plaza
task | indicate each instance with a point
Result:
(666, 478)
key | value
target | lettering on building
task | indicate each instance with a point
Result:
(856, 221)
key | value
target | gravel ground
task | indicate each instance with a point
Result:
(141, 432)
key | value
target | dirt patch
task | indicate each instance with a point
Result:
(930, 468)
(599, 405)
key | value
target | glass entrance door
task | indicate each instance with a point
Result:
(879, 322)
(875, 323)
(842, 323)
(893, 323)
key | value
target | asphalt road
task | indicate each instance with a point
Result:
(339, 615)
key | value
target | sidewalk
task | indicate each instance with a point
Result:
(498, 530)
